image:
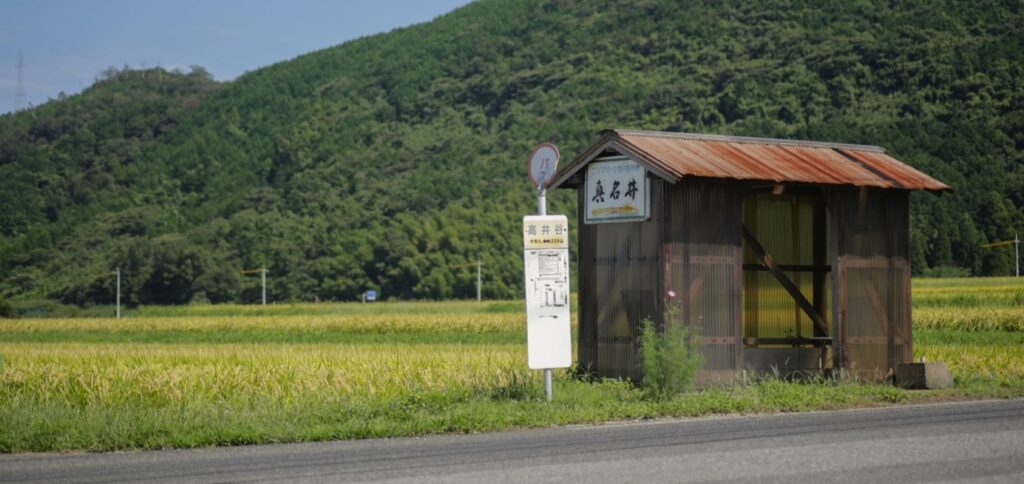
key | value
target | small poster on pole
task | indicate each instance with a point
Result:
(546, 261)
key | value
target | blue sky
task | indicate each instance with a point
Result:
(66, 44)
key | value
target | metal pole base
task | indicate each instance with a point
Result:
(547, 383)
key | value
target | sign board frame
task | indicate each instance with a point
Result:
(546, 280)
(617, 190)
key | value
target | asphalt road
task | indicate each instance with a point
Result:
(958, 441)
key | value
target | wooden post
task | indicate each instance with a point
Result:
(838, 290)
(794, 239)
(819, 255)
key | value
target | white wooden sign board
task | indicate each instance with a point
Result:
(546, 260)
(616, 192)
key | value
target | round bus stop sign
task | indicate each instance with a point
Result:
(543, 163)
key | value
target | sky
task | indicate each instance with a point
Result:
(64, 45)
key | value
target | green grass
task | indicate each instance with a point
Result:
(219, 375)
(987, 292)
(964, 283)
(930, 337)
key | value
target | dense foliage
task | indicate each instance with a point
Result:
(392, 162)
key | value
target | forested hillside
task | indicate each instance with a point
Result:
(392, 161)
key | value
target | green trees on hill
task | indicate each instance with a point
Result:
(390, 161)
(70, 198)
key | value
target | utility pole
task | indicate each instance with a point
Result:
(263, 280)
(19, 92)
(479, 275)
(117, 297)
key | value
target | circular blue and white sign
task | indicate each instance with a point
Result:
(543, 163)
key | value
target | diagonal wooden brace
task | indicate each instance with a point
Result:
(787, 284)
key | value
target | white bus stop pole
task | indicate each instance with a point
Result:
(542, 209)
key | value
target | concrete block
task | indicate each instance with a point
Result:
(923, 376)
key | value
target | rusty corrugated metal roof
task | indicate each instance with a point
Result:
(677, 155)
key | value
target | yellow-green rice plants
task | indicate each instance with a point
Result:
(970, 319)
(153, 374)
(374, 323)
(972, 360)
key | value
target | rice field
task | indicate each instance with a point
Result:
(220, 375)
(976, 326)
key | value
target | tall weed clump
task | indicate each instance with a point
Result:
(670, 358)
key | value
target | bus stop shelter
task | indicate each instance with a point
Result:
(784, 256)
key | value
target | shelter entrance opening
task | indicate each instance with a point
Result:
(786, 280)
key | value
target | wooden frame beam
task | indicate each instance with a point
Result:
(794, 342)
(789, 267)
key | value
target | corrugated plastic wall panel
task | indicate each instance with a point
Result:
(875, 272)
(587, 324)
(620, 286)
(705, 268)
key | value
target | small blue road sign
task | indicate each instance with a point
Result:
(371, 295)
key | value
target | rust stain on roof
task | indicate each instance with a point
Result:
(678, 155)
